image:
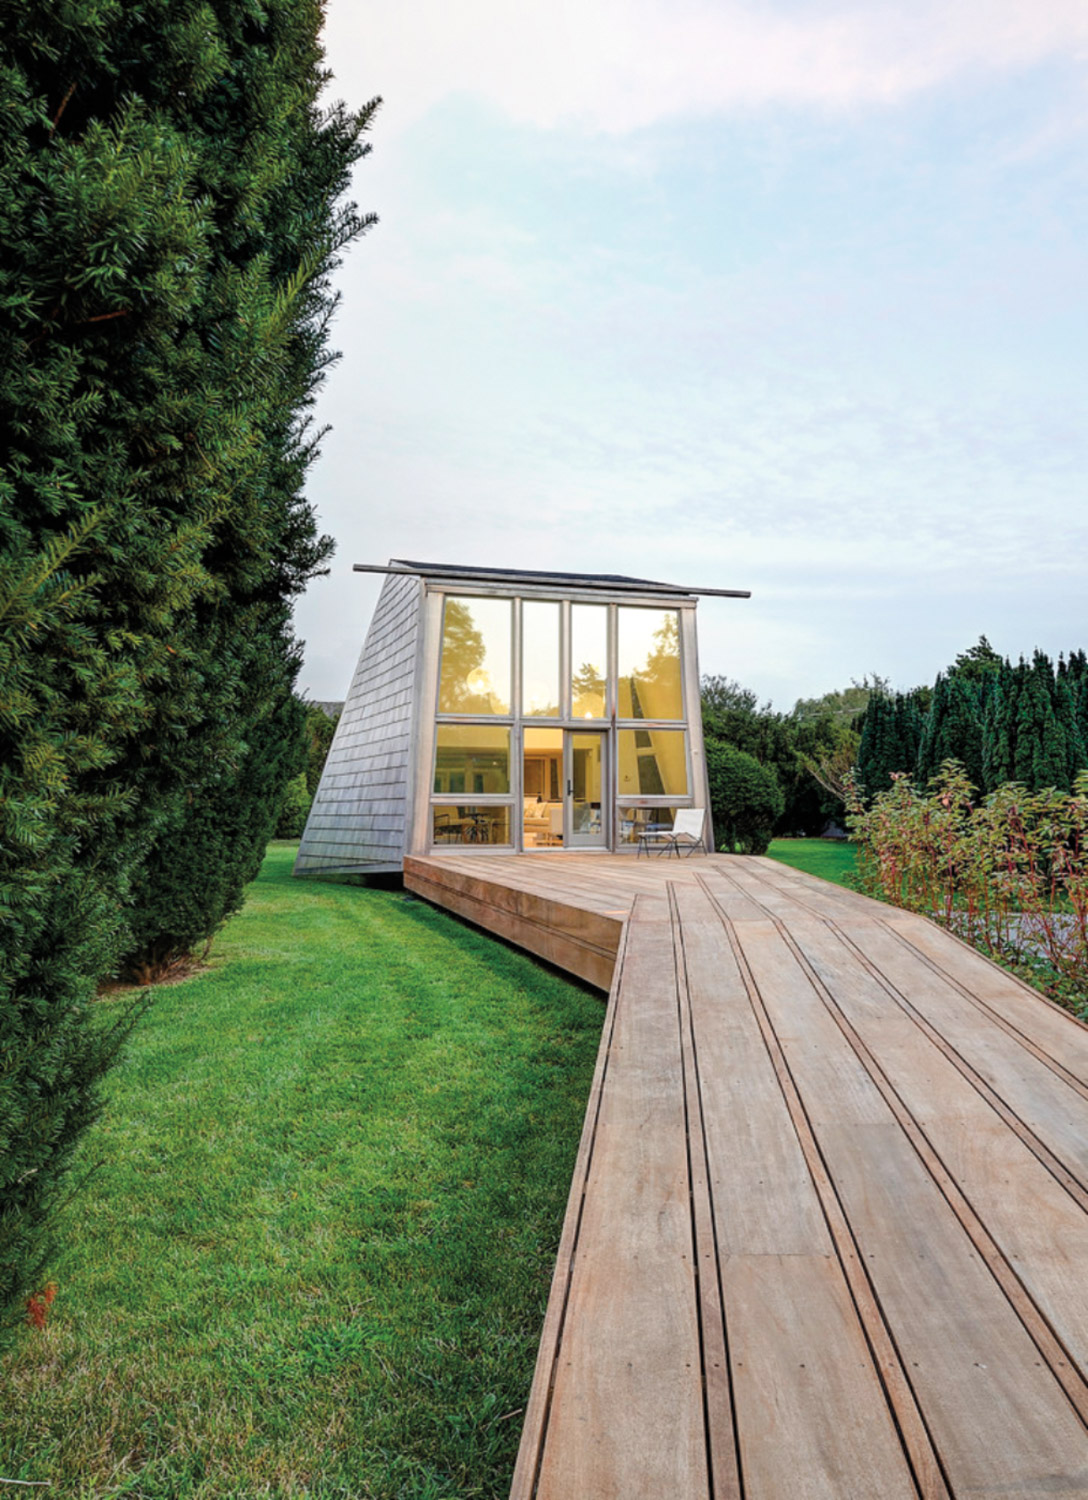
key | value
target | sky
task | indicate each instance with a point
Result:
(788, 297)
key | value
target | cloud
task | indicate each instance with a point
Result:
(617, 66)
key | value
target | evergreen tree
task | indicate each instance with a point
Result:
(890, 741)
(998, 738)
(979, 663)
(1048, 746)
(933, 730)
(1029, 717)
(168, 225)
(1065, 711)
(1077, 678)
(953, 728)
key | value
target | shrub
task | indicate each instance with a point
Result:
(1008, 873)
(320, 729)
(168, 224)
(295, 809)
(745, 799)
(211, 848)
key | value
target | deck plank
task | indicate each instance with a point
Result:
(828, 1231)
(626, 1415)
(537, 1409)
(811, 1411)
(1061, 1035)
(1000, 1418)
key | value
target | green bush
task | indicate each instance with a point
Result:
(168, 224)
(207, 853)
(295, 809)
(745, 799)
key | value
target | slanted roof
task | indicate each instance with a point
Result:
(611, 582)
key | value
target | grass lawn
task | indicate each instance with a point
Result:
(314, 1255)
(831, 859)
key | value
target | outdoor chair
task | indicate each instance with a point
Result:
(684, 837)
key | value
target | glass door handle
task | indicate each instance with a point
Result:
(570, 788)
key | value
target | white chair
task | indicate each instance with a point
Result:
(685, 835)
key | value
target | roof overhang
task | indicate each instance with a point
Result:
(561, 582)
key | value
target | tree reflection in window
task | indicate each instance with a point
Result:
(649, 664)
(475, 675)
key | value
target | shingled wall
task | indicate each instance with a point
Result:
(358, 822)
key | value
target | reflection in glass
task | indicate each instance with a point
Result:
(588, 660)
(540, 659)
(649, 664)
(472, 758)
(542, 771)
(587, 826)
(635, 821)
(475, 677)
(653, 763)
(470, 825)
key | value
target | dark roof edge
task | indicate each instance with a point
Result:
(601, 583)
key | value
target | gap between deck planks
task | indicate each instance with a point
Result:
(827, 1233)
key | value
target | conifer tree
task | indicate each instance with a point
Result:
(890, 741)
(933, 736)
(1029, 715)
(978, 663)
(1065, 711)
(168, 222)
(997, 732)
(953, 728)
(1077, 678)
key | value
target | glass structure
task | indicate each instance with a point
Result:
(589, 660)
(476, 657)
(560, 723)
(650, 681)
(540, 659)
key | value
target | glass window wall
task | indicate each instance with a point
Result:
(652, 763)
(468, 824)
(476, 655)
(556, 790)
(539, 659)
(473, 759)
(650, 682)
(635, 821)
(589, 660)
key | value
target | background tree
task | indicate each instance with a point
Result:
(319, 731)
(979, 663)
(793, 748)
(844, 704)
(168, 222)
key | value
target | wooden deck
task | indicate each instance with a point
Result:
(828, 1229)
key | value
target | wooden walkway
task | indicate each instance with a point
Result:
(828, 1229)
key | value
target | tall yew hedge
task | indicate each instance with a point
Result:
(169, 218)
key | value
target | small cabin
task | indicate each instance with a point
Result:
(497, 711)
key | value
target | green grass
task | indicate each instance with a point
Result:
(315, 1252)
(831, 859)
